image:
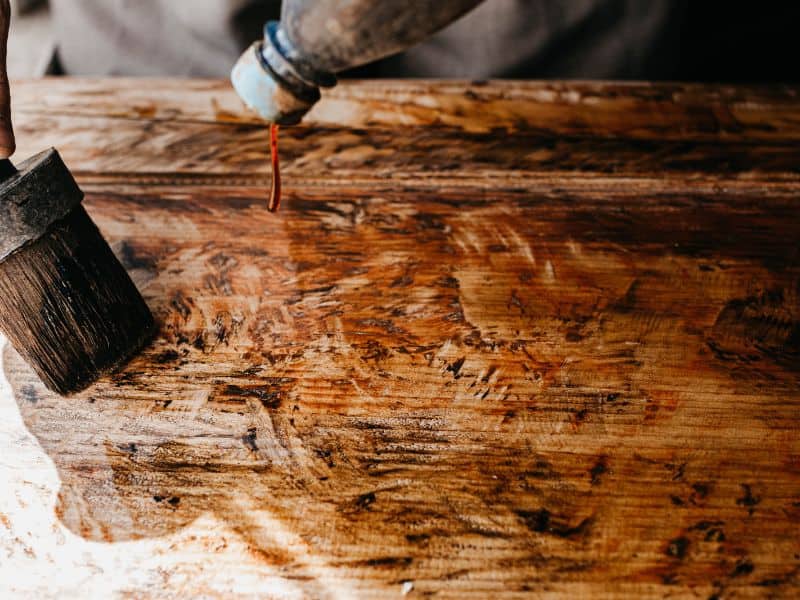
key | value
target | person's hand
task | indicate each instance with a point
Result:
(7, 144)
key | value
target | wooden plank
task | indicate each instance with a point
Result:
(660, 111)
(179, 153)
(518, 377)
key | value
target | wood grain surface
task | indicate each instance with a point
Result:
(502, 339)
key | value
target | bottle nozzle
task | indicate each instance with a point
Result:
(275, 82)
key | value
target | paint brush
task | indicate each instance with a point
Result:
(66, 303)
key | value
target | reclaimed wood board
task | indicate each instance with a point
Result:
(508, 339)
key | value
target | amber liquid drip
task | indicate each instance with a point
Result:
(275, 188)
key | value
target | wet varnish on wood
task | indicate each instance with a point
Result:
(501, 339)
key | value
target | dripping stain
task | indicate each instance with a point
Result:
(275, 186)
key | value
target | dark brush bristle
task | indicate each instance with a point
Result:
(68, 306)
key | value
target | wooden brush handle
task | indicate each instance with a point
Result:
(7, 143)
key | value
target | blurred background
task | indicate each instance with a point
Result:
(705, 40)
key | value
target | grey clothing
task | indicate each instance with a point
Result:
(197, 38)
(500, 38)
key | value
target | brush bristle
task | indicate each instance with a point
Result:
(68, 306)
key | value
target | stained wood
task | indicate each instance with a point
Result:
(512, 339)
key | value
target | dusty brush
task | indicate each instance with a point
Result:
(66, 303)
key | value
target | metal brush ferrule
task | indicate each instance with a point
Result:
(41, 192)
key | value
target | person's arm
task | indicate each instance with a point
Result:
(7, 144)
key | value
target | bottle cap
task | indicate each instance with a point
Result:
(262, 91)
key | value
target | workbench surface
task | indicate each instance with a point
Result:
(502, 339)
